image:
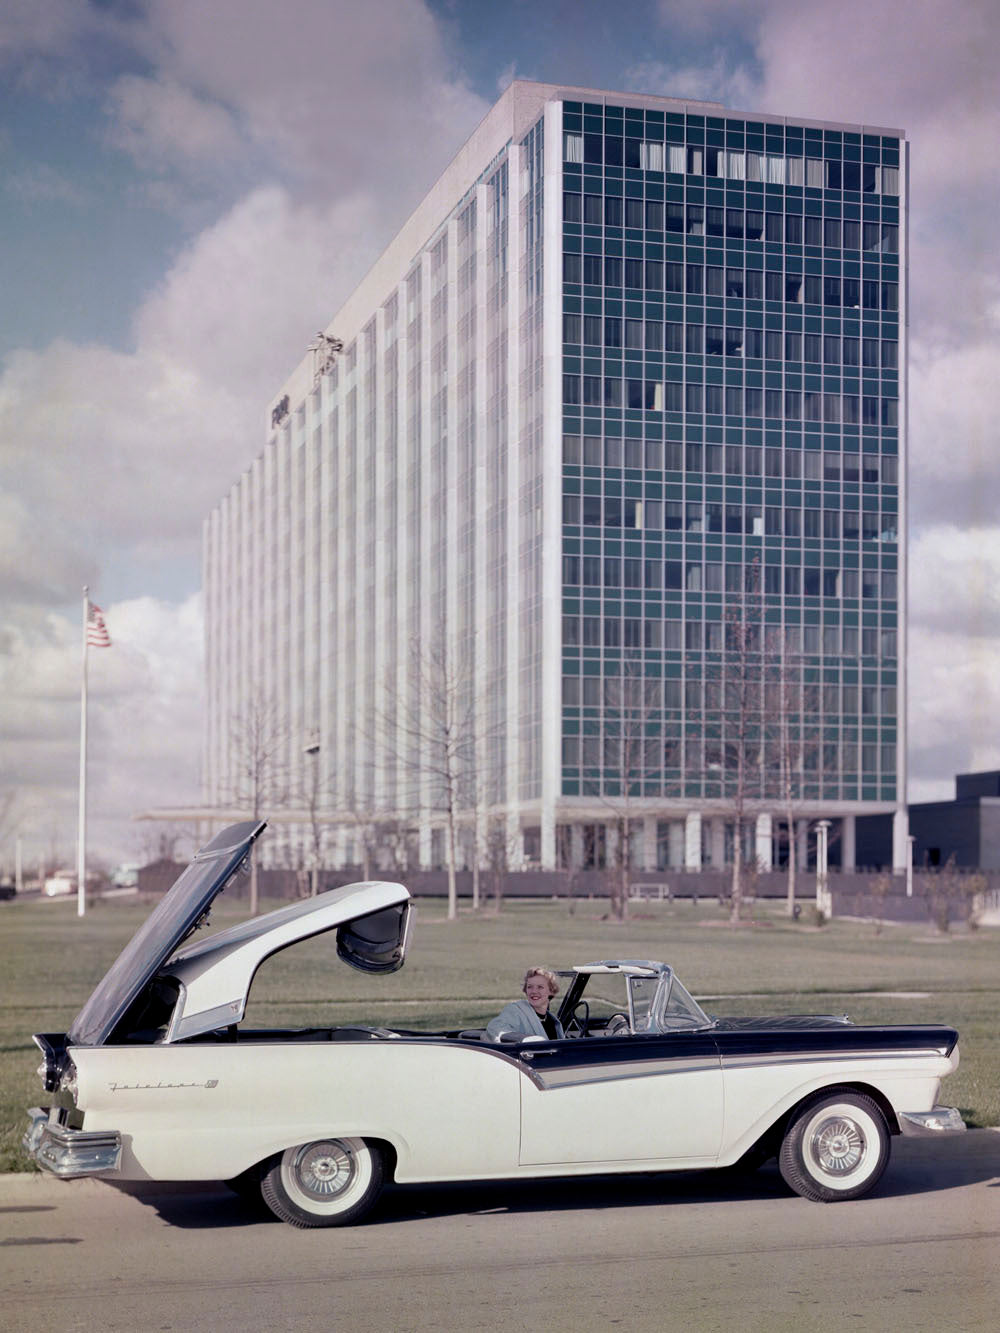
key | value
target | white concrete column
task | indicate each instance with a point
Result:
(424, 853)
(848, 842)
(764, 843)
(675, 844)
(547, 853)
(611, 843)
(515, 841)
(649, 842)
(692, 840)
(717, 843)
(802, 843)
(576, 846)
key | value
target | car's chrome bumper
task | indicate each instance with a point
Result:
(941, 1120)
(71, 1152)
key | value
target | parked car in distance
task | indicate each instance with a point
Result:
(58, 883)
(158, 1077)
(8, 890)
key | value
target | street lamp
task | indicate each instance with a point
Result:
(312, 748)
(824, 899)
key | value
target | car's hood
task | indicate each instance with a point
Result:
(177, 914)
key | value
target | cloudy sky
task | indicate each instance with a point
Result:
(189, 189)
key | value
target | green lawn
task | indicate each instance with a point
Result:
(460, 973)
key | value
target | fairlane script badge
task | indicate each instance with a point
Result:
(145, 1087)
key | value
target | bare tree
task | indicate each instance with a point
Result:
(741, 672)
(785, 742)
(432, 738)
(498, 857)
(631, 746)
(259, 769)
(10, 815)
(395, 840)
(952, 892)
(162, 842)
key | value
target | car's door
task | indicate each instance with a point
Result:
(647, 1099)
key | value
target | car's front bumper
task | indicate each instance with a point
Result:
(940, 1120)
(71, 1152)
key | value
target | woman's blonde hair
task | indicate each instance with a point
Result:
(550, 977)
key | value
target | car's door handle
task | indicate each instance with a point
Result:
(530, 1055)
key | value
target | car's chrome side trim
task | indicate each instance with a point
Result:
(922, 1124)
(827, 1056)
(71, 1152)
(574, 1076)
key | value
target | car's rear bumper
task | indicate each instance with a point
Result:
(941, 1120)
(71, 1152)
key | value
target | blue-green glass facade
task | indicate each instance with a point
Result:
(732, 297)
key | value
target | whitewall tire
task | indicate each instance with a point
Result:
(835, 1148)
(327, 1183)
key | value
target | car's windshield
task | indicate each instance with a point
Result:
(643, 994)
(606, 994)
(682, 1010)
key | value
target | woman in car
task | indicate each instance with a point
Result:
(530, 1017)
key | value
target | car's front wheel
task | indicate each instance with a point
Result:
(328, 1183)
(835, 1148)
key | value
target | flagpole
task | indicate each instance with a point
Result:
(81, 837)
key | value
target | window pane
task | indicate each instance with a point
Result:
(593, 209)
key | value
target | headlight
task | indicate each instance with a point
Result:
(67, 1082)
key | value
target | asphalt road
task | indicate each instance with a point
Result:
(697, 1252)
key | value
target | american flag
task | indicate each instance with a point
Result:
(97, 631)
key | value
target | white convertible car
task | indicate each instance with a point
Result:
(157, 1079)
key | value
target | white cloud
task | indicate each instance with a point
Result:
(111, 458)
(356, 97)
(955, 404)
(954, 686)
(716, 80)
(954, 702)
(28, 28)
(160, 122)
(144, 722)
(42, 183)
(955, 576)
(105, 449)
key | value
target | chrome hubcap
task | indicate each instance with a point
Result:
(324, 1169)
(838, 1146)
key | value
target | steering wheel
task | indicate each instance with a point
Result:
(617, 1026)
(580, 1021)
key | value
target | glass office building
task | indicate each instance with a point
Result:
(615, 448)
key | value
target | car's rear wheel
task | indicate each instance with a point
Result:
(836, 1147)
(328, 1183)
